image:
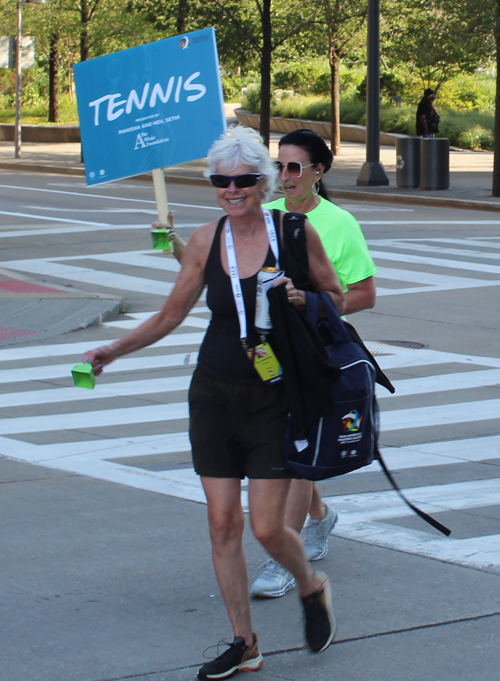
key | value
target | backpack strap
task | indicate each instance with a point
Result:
(425, 516)
(294, 259)
(380, 377)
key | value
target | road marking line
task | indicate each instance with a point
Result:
(78, 349)
(437, 262)
(440, 415)
(465, 380)
(428, 248)
(94, 419)
(121, 282)
(105, 196)
(53, 219)
(48, 373)
(144, 387)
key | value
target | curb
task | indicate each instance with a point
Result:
(468, 204)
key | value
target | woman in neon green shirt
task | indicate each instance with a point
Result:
(303, 159)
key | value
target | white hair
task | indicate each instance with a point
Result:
(238, 145)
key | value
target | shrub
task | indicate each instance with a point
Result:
(303, 77)
(468, 92)
(250, 99)
(391, 85)
(233, 84)
(352, 113)
(476, 138)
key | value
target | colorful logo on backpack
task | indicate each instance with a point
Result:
(352, 421)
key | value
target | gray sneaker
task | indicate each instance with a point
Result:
(273, 581)
(315, 534)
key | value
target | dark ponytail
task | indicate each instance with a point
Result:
(316, 149)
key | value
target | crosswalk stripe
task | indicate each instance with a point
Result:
(131, 364)
(437, 262)
(465, 380)
(90, 450)
(442, 415)
(400, 419)
(94, 419)
(363, 517)
(406, 387)
(139, 259)
(122, 282)
(122, 389)
(429, 278)
(430, 248)
(79, 348)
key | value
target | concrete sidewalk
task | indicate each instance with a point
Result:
(30, 310)
(471, 173)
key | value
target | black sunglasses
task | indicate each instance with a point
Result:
(240, 181)
(294, 168)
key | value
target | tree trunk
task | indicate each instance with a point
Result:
(496, 144)
(265, 72)
(84, 30)
(335, 110)
(182, 11)
(54, 79)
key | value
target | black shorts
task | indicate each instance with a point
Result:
(237, 430)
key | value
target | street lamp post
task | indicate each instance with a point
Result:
(372, 171)
(17, 133)
(19, 71)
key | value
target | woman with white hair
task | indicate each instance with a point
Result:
(237, 420)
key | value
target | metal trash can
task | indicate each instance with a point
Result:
(434, 163)
(408, 162)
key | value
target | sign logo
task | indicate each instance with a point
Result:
(352, 422)
(184, 43)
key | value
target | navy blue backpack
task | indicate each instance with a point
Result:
(345, 438)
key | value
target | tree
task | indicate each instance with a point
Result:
(343, 19)
(435, 39)
(265, 26)
(54, 78)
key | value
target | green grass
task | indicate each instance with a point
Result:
(38, 115)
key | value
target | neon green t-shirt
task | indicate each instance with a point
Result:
(342, 239)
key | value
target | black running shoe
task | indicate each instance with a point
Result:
(319, 619)
(237, 658)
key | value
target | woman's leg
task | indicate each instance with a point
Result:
(267, 500)
(226, 523)
(298, 503)
(317, 507)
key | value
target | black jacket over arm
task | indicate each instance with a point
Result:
(307, 370)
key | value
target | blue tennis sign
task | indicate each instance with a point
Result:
(151, 106)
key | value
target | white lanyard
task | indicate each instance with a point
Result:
(233, 268)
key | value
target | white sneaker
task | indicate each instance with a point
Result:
(315, 534)
(273, 581)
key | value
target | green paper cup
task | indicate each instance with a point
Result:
(83, 376)
(161, 240)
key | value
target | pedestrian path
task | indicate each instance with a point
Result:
(132, 429)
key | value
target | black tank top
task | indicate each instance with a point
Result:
(221, 352)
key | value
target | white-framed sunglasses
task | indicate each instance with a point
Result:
(294, 168)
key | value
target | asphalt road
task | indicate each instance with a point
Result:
(105, 562)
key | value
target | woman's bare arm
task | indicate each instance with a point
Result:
(187, 290)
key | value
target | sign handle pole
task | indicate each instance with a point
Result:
(161, 195)
(161, 201)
